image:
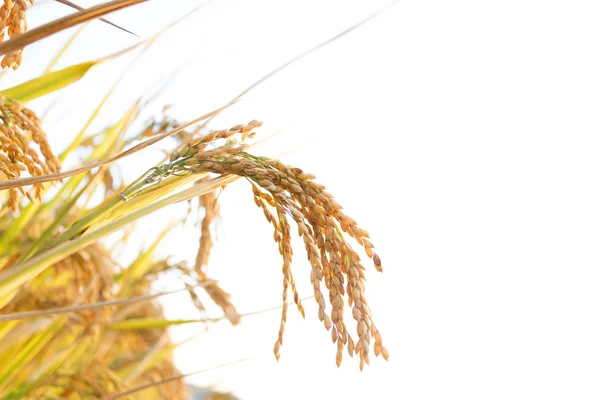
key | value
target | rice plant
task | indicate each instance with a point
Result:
(60, 283)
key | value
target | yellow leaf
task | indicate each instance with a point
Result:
(148, 323)
(49, 82)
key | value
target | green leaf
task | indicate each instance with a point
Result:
(48, 83)
(15, 277)
(142, 263)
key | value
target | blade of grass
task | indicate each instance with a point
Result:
(52, 64)
(44, 371)
(147, 323)
(49, 82)
(59, 218)
(148, 195)
(25, 354)
(121, 203)
(24, 331)
(141, 264)
(13, 278)
(25, 91)
(77, 140)
(64, 48)
(6, 328)
(149, 358)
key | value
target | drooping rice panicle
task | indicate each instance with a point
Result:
(285, 192)
(20, 134)
(216, 293)
(13, 22)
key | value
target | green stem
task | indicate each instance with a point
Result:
(13, 278)
(98, 213)
(59, 218)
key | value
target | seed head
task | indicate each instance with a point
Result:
(13, 22)
(17, 150)
(287, 194)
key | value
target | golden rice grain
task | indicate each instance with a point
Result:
(216, 293)
(13, 22)
(284, 192)
(20, 133)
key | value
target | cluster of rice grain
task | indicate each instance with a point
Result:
(20, 134)
(13, 22)
(216, 293)
(111, 361)
(284, 193)
(124, 350)
(107, 362)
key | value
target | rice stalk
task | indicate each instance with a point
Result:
(79, 8)
(283, 193)
(74, 322)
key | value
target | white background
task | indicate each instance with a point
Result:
(462, 134)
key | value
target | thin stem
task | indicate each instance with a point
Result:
(82, 307)
(307, 52)
(171, 379)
